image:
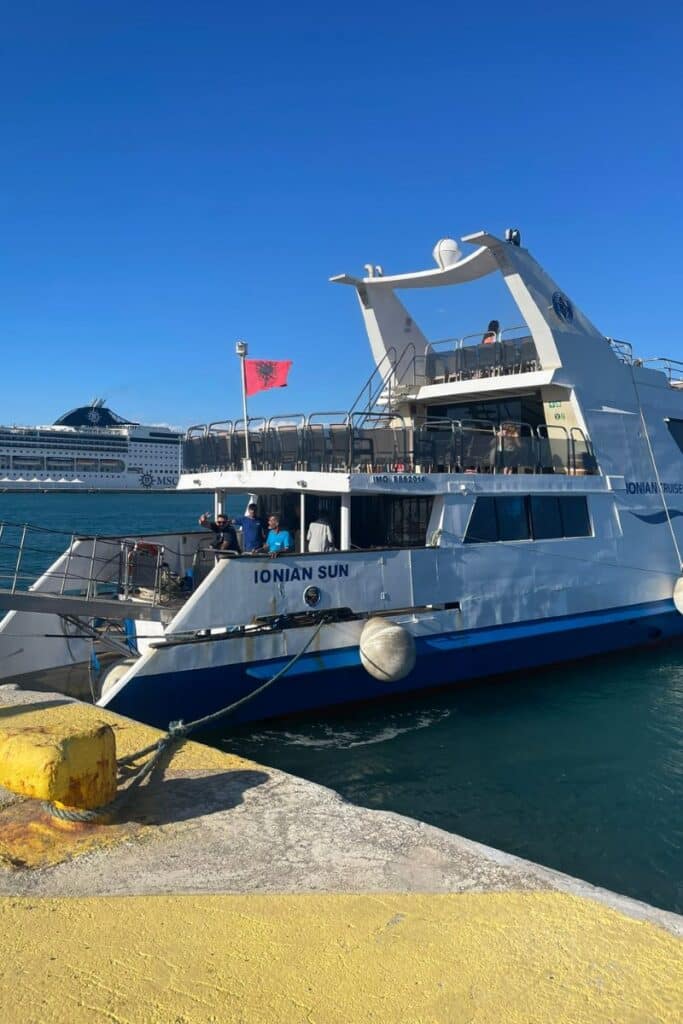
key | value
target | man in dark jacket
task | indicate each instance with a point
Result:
(226, 538)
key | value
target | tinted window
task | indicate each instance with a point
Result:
(408, 521)
(676, 431)
(482, 525)
(575, 521)
(525, 410)
(546, 521)
(543, 517)
(384, 520)
(513, 523)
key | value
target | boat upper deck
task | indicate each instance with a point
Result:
(343, 443)
(525, 399)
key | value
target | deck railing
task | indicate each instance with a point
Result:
(383, 442)
(673, 368)
(623, 350)
(470, 362)
(144, 569)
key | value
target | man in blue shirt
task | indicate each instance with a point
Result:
(278, 542)
(253, 534)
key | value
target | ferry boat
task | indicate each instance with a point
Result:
(499, 501)
(90, 448)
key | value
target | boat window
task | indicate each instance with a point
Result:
(676, 431)
(575, 521)
(408, 522)
(525, 409)
(482, 526)
(528, 517)
(387, 520)
(546, 521)
(513, 520)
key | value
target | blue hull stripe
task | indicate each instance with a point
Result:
(445, 660)
(349, 657)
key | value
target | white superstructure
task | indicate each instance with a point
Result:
(90, 448)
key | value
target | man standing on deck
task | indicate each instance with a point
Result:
(278, 542)
(253, 534)
(226, 538)
(319, 535)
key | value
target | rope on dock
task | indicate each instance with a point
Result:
(177, 732)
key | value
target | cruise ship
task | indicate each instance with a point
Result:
(90, 448)
(499, 500)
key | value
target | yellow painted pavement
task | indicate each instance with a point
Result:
(485, 958)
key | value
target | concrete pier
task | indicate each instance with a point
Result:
(230, 891)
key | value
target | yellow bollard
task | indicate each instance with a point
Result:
(58, 755)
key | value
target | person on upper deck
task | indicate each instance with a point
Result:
(226, 538)
(278, 541)
(253, 533)
(491, 333)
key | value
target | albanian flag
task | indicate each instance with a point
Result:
(262, 374)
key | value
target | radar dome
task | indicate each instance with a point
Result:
(446, 252)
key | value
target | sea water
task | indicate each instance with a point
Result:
(577, 767)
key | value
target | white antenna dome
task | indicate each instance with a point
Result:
(446, 252)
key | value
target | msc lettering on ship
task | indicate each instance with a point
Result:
(337, 570)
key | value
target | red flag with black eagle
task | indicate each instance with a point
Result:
(261, 374)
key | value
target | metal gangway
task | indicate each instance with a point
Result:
(52, 572)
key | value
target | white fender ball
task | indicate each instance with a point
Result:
(116, 672)
(678, 595)
(387, 650)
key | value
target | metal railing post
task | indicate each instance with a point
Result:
(19, 557)
(68, 564)
(91, 568)
(156, 592)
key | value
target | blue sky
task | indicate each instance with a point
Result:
(176, 176)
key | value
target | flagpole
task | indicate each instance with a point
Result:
(241, 349)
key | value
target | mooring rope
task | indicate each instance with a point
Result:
(176, 733)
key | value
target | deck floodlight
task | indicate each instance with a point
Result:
(241, 348)
(513, 236)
